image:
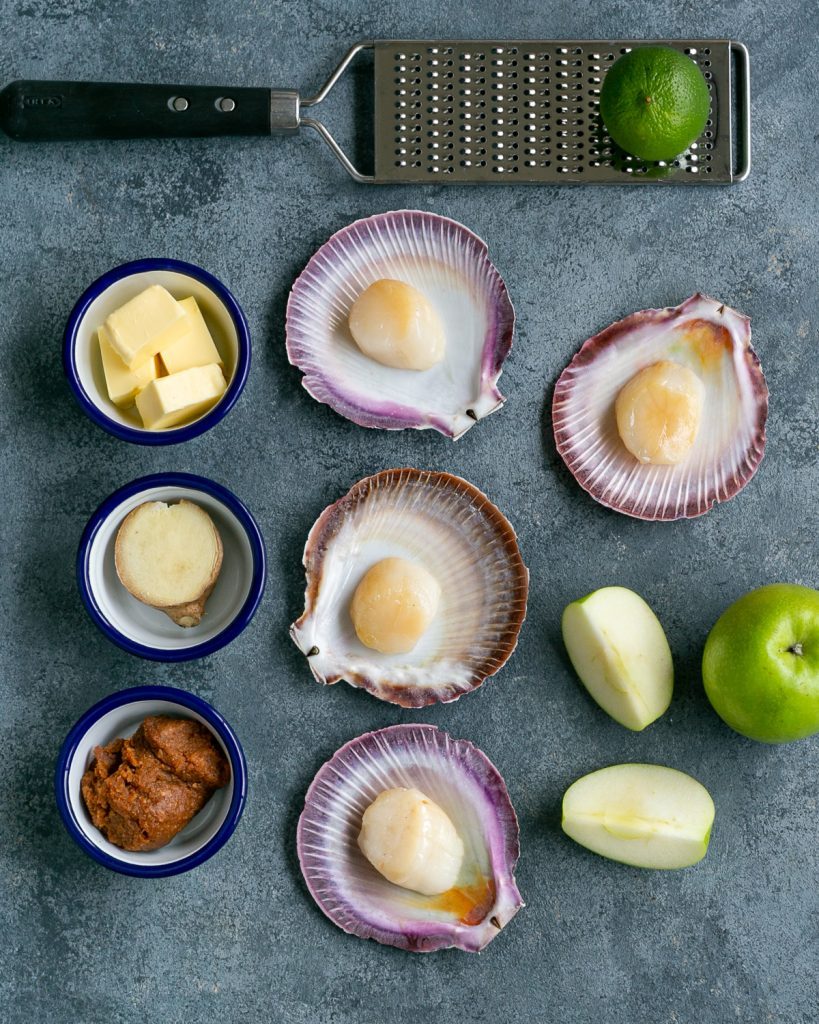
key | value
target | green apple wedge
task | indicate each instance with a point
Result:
(644, 815)
(760, 666)
(618, 648)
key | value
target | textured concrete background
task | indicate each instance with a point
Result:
(239, 939)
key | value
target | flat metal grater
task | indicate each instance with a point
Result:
(454, 111)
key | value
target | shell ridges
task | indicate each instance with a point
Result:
(447, 526)
(444, 260)
(457, 776)
(715, 341)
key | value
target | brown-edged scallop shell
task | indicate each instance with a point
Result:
(712, 340)
(448, 527)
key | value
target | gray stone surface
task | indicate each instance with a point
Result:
(239, 939)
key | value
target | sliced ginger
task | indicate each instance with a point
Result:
(169, 557)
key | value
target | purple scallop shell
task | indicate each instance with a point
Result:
(449, 264)
(465, 783)
(715, 342)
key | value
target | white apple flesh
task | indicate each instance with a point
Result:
(618, 648)
(640, 814)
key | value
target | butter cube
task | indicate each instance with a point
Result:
(150, 321)
(168, 401)
(122, 383)
(196, 348)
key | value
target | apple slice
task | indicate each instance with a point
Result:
(640, 814)
(619, 650)
(169, 557)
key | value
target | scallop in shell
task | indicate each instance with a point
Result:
(449, 266)
(465, 784)
(703, 336)
(448, 528)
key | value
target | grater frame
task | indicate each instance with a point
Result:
(461, 111)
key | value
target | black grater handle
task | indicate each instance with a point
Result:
(103, 110)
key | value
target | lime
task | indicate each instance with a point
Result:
(654, 102)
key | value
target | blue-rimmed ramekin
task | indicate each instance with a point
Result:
(83, 364)
(148, 632)
(121, 714)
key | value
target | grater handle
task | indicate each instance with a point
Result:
(103, 110)
(743, 84)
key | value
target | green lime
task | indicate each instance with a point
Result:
(654, 102)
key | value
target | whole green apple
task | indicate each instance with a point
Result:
(761, 664)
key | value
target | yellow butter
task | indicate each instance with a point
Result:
(168, 401)
(196, 348)
(149, 322)
(122, 383)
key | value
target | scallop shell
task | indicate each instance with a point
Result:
(467, 786)
(449, 264)
(453, 530)
(715, 342)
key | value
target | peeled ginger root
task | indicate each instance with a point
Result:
(169, 557)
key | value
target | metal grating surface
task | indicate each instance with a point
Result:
(526, 111)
